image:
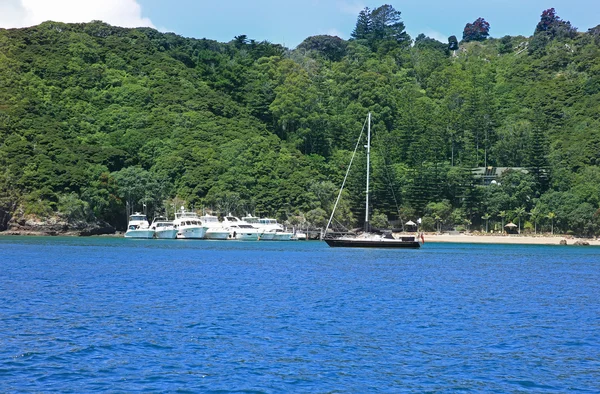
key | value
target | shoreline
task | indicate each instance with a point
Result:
(28, 233)
(512, 239)
(465, 238)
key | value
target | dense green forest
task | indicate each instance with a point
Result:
(95, 118)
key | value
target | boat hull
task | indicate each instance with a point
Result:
(267, 236)
(300, 236)
(282, 236)
(142, 234)
(364, 243)
(242, 235)
(247, 236)
(165, 234)
(217, 234)
(191, 233)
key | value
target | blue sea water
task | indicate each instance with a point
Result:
(121, 315)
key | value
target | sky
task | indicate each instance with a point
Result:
(290, 22)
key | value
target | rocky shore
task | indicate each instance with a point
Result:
(56, 225)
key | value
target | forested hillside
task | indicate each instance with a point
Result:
(95, 118)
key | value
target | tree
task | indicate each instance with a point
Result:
(535, 214)
(520, 212)
(486, 217)
(139, 188)
(548, 28)
(476, 31)
(379, 220)
(330, 47)
(388, 26)
(452, 43)
(381, 28)
(240, 40)
(424, 42)
(551, 216)
(440, 211)
(364, 25)
(317, 218)
(552, 24)
(502, 215)
(505, 45)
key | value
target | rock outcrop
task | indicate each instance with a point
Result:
(581, 243)
(56, 225)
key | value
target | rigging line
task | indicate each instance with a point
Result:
(340, 224)
(389, 179)
(346, 177)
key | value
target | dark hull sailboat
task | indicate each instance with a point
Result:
(357, 242)
(368, 239)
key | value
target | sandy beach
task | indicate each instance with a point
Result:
(508, 239)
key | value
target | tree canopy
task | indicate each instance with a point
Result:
(476, 31)
(93, 117)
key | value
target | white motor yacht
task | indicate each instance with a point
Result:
(188, 225)
(163, 228)
(273, 231)
(241, 230)
(215, 229)
(138, 227)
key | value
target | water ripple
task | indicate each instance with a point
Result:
(93, 314)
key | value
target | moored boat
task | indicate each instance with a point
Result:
(372, 240)
(240, 229)
(367, 239)
(278, 235)
(163, 228)
(300, 236)
(138, 227)
(215, 229)
(273, 231)
(188, 225)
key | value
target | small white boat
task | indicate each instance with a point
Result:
(188, 225)
(300, 236)
(273, 231)
(163, 228)
(215, 230)
(277, 235)
(240, 229)
(138, 227)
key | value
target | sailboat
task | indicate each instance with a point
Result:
(366, 239)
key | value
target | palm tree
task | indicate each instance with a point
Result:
(535, 215)
(551, 216)
(486, 217)
(502, 214)
(467, 223)
(520, 212)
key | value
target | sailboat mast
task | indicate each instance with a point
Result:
(367, 228)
